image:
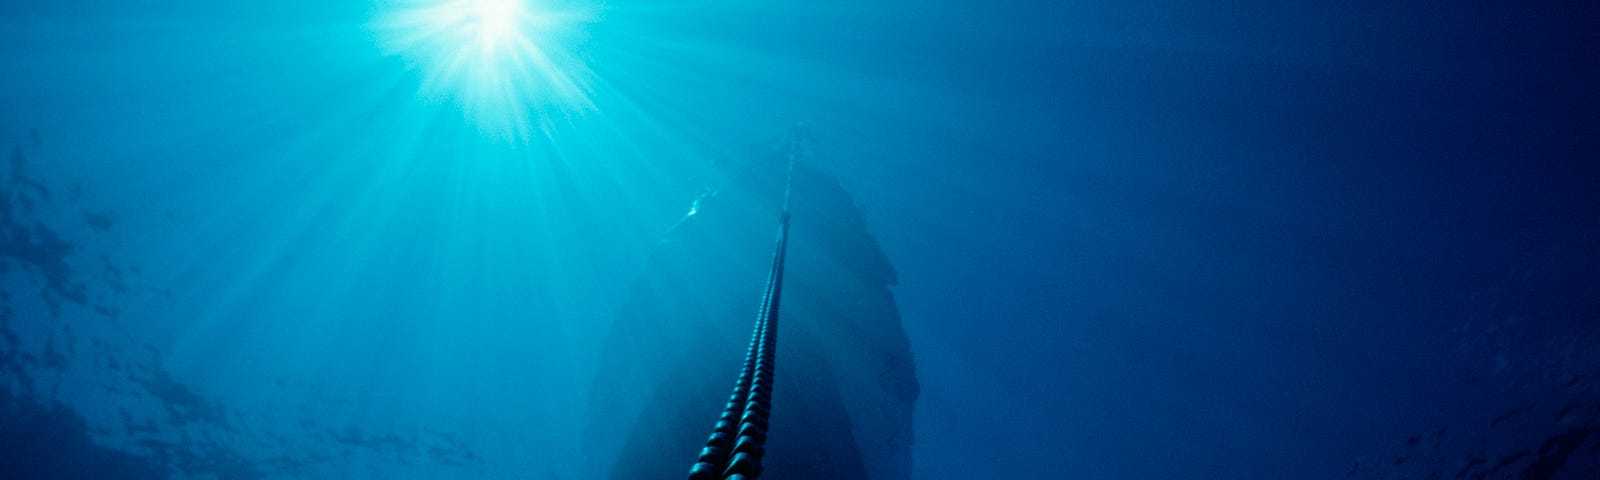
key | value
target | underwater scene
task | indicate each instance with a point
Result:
(729, 240)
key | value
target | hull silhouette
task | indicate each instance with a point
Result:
(845, 383)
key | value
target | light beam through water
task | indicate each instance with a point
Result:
(512, 65)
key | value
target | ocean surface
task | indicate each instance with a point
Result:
(524, 238)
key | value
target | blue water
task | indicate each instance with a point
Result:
(377, 239)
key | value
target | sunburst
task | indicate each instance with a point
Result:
(512, 65)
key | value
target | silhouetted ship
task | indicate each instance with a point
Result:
(846, 381)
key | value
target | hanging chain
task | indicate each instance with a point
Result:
(738, 442)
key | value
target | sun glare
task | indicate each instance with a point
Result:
(495, 20)
(512, 65)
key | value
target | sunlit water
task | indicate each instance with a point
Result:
(510, 65)
(307, 239)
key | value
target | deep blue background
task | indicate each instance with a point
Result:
(1135, 239)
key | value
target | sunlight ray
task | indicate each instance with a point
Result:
(513, 66)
